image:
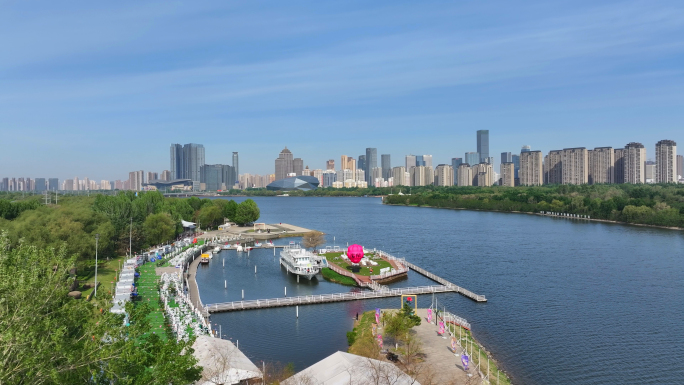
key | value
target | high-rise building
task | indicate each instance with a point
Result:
(166, 175)
(410, 162)
(619, 165)
(361, 163)
(330, 165)
(634, 159)
(465, 175)
(553, 167)
(136, 180)
(68, 185)
(507, 174)
(177, 162)
(236, 163)
(515, 158)
(427, 160)
(359, 175)
(419, 176)
(4, 185)
(186, 161)
(602, 165)
(506, 157)
(53, 184)
(222, 177)
(329, 177)
(575, 165)
(39, 184)
(680, 166)
(472, 158)
(445, 175)
(377, 176)
(106, 185)
(483, 174)
(386, 164)
(483, 145)
(371, 163)
(666, 162)
(650, 171)
(284, 164)
(525, 148)
(297, 166)
(398, 175)
(455, 162)
(531, 168)
(152, 176)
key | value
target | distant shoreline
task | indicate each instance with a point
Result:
(546, 215)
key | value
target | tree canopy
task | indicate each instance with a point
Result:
(46, 337)
(246, 212)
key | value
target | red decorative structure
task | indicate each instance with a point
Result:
(355, 253)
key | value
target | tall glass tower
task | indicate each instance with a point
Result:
(483, 144)
(371, 163)
(386, 166)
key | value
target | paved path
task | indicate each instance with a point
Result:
(446, 366)
(192, 285)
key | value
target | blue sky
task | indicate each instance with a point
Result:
(98, 89)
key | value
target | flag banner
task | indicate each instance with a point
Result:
(429, 311)
(441, 327)
(380, 340)
(453, 344)
(464, 361)
(377, 315)
(375, 329)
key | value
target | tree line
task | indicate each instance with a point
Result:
(649, 204)
(148, 218)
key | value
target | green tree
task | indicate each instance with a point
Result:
(247, 212)
(210, 216)
(230, 209)
(159, 228)
(46, 337)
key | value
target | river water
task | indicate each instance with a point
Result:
(569, 301)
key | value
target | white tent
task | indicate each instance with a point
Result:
(187, 225)
(222, 362)
(344, 368)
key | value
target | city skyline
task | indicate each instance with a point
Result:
(552, 77)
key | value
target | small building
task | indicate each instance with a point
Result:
(342, 368)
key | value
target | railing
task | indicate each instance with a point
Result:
(311, 299)
(456, 288)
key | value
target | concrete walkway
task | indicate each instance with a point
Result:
(193, 290)
(445, 365)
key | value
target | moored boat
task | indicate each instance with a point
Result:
(299, 261)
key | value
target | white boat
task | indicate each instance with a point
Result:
(217, 249)
(238, 248)
(299, 261)
(257, 244)
(225, 247)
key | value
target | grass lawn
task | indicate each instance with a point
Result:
(147, 293)
(106, 274)
(365, 270)
(330, 275)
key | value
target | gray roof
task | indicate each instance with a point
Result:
(344, 368)
(301, 182)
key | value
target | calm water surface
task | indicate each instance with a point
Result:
(569, 302)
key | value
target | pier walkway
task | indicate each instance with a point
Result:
(456, 288)
(323, 298)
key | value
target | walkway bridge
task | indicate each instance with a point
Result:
(323, 298)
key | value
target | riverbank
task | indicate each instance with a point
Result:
(539, 214)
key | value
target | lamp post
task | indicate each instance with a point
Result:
(130, 240)
(97, 238)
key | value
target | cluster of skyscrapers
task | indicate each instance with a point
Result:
(577, 165)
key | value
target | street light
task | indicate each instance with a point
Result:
(97, 238)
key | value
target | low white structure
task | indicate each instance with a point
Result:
(345, 369)
(222, 362)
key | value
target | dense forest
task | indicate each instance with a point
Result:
(659, 205)
(149, 218)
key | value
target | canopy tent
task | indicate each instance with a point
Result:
(187, 225)
(344, 368)
(222, 362)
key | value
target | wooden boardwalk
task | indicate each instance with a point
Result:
(456, 288)
(323, 298)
